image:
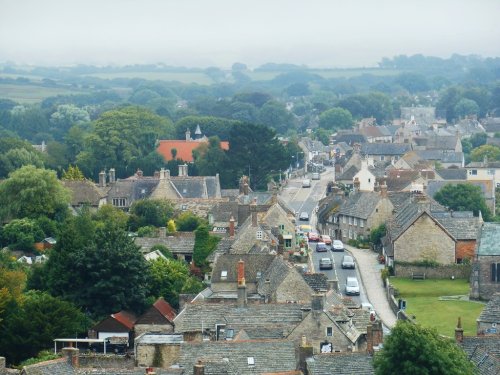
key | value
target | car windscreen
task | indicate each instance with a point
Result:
(352, 282)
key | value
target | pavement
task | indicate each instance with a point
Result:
(369, 270)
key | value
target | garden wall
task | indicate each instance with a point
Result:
(459, 271)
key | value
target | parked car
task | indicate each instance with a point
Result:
(337, 245)
(352, 286)
(325, 264)
(313, 236)
(326, 239)
(348, 262)
(321, 247)
(306, 183)
(316, 176)
(304, 216)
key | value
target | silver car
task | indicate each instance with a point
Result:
(348, 262)
(352, 287)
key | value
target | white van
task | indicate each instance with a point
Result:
(306, 183)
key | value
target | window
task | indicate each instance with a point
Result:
(288, 242)
(251, 361)
(259, 234)
(472, 172)
(355, 221)
(282, 226)
(119, 202)
(495, 272)
(350, 234)
(382, 157)
(361, 223)
(350, 220)
(229, 334)
(490, 172)
(184, 207)
(335, 219)
(329, 331)
(343, 219)
(369, 180)
(223, 275)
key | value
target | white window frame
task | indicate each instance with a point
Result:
(223, 275)
(259, 235)
(119, 202)
(344, 219)
(355, 221)
(361, 223)
(350, 220)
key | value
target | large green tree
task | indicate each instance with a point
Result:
(412, 349)
(490, 152)
(123, 139)
(336, 119)
(209, 158)
(32, 192)
(103, 273)
(31, 325)
(464, 197)
(21, 234)
(155, 212)
(204, 245)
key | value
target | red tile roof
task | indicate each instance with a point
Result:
(126, 318)
(165, 309)
(184, 149)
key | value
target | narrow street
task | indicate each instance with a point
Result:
(367, 268)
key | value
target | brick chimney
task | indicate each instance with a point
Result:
(139, 173)
(102, 179)
(253, 212)
(242, 287)
(199, 368)
(71, 354)
(112, 176)
(183, 170)
(383, 190)
(231, 227)
(374, 336)
(317, 304)
(459, 332)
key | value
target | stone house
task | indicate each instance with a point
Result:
(434, 141)
(483, 171)
(388, 152)
(168, 345)
(364, 177)
(422, 230)
(488, 322)
(180, 244)
(327, 210)
(376, 134)
(158, 318)
(444, 158)
(423, 115)
(485, 278)
(362, 212)
(491, 126)
(85, 194)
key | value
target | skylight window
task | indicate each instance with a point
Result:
(223, 275)
(251, 361)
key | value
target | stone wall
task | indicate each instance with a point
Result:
(169, 354)
(425, 240)
(482, 286)
(459, 271)
(139, 329)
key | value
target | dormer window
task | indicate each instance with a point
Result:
(251, 361)
(223, 275)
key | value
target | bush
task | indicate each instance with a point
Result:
(147, 231)
(164, 250)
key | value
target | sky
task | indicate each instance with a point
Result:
(202, 33)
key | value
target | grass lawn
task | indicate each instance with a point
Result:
(29, 94)
(422, 300)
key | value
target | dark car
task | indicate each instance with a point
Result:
(321, 247)
(348, 262)
(304, 216)
(325, 264)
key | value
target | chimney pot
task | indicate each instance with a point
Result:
(112, 176)
(71, 354)
(231, 227)
(102, 179)
(242, 288)
(459, 332)
(199, 369)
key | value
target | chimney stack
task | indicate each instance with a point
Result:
(253, 212)
(102, 179)
(268, 297)
(374, 336)
(183, 170)
(383, 190)
(71, 355)
(162, 232)
(459, 332)
(199, 368)
(333, 284)
(112, 177)
(317, 304)
(231, 227)
(188, 135)
(305, 351)
(245, 188)
(139, 173)
(242, 288)
(357, 184)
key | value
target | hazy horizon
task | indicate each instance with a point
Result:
(198, 33)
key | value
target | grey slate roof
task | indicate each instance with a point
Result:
(222, 212)
(132, 189)
(434, 186)
(268, 355)
(486, 364)
(254, 263)
(182, 242)
(462, 225)
(437, 142)
(489, 343)
(385, 148)
(276, 315)
(489, 239)
(158, 338)
(350, 138)
(453, 173)
(275, 273)
(360, 204)
(348, 174)
(341, 364)
(84, 192)
(197, 186)
(440, 155)
(491, 312)
(317, 281)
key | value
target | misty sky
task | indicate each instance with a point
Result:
(319, 33)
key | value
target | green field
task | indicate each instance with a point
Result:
(29, 94)
(422, 300)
